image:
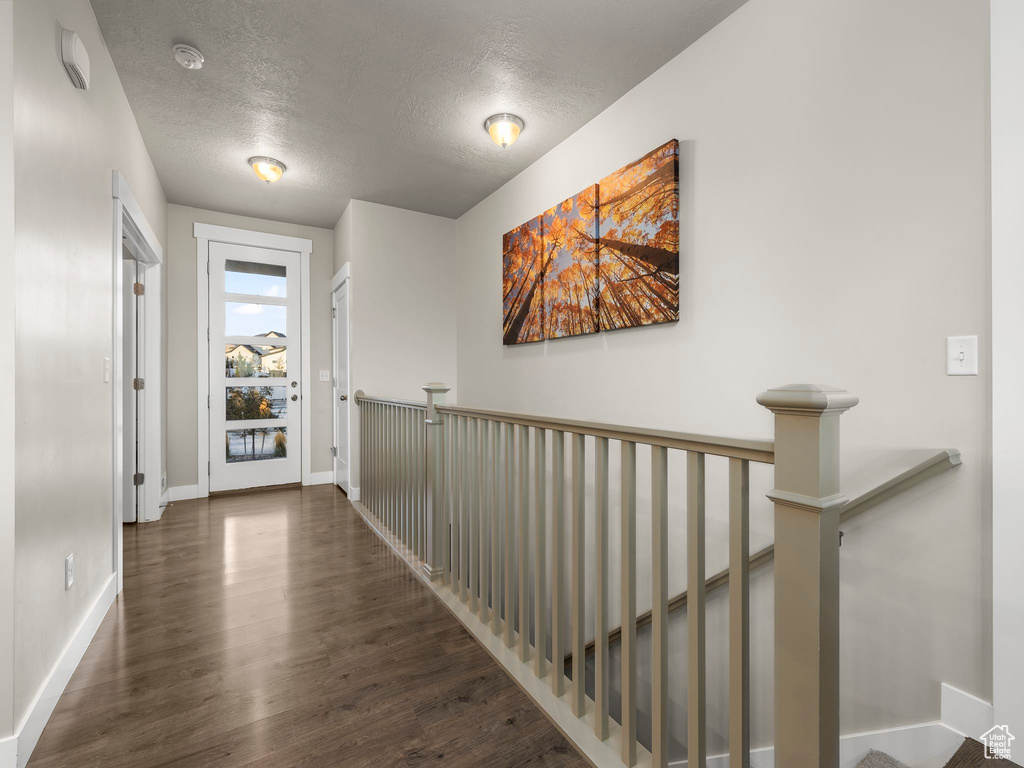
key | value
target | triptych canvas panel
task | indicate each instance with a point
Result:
(606, 258)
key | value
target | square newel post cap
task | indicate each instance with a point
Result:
(435, 396)
(807, 399)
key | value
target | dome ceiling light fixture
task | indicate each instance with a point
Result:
(267, 168)
(504, 129)
(188, 57)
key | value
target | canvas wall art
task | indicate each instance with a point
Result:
(639, 235)
(605, 258)
(523, 303)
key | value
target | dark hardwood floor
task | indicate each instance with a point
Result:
(275, 629)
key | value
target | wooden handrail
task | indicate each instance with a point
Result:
(361, 398)
(933, 465)
(752, 449)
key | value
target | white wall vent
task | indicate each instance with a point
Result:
(76, 59)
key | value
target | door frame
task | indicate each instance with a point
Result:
(132, 230)
(1006, 157)
(205, 234)
(342, 277)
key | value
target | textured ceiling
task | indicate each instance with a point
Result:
(381, 101)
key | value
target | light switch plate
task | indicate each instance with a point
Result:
(69, 571)
(106, 370)
(325, 375)
(961, 355)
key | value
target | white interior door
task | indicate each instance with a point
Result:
(341, 393)
(255, 367)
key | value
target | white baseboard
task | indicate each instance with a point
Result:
(925, 745)
(182, 492)
(353, 494)
(9, 752)
(43, 704)
(321, 478)
(966, 714)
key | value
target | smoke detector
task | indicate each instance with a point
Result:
(75, 58)
(188, 57)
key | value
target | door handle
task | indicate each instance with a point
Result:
(343, 398)
(295, 397)
(295, 383)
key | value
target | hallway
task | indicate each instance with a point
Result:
(275, 629)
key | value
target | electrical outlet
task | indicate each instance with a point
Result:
(325, 375)
(106, 370)
(69, 571)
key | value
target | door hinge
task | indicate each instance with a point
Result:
(207, 266)
(207, 401)
(138, 384)
(334, 311)
(207, 467)
(138, 478)
(138, 289)
(334, 451)
(207, 334)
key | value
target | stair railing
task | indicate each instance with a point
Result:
(449, 488)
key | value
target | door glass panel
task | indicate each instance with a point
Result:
(254, 278)
(243, 361)
(255, 444)
(255, 319)
(254, 403)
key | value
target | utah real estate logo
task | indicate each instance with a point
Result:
(997, 742)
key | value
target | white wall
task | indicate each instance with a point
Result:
(67, 144)
(1007, 361)
(833, 205)
(7, 391)
(182, 397)
(403, 302)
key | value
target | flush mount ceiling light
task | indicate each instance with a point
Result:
(267, 168)
(504, 128)
(188, 57)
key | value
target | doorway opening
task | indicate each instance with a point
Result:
(341, 332)
(134, 370)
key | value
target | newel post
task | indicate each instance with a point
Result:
(435, 480)
(807, 503)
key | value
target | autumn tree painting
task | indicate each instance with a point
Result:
(570, 267)
(638, 235)
(606, 258)
(522, 272)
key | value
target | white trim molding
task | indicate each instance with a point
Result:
(1006, 173)
(320, 478)
(341, 276)
(131, 229)
(966, 714)
(9, 752)
(42, 706)
(307, 373)
(183, 493)
(205, 234)
(353, 494)
(924, 745)
(235, 236)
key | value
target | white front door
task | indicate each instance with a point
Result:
(255, 385)
(341, 393)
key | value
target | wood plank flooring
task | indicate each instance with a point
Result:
(275, 629)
